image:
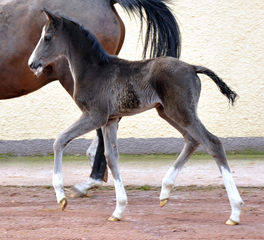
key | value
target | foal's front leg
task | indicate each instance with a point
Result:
(81, 126)
(112, 156)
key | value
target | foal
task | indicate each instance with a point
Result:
(107, 88)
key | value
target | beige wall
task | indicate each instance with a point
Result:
(226, 36)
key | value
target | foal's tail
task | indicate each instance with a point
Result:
(231, 95)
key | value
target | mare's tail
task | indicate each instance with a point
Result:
(231, 95)
(163, 36)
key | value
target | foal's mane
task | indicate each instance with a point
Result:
(96, 46)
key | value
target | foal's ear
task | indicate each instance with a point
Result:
(51, 17)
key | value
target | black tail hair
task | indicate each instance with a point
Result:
(162, 28)
(225, 90)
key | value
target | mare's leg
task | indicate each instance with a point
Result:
(189, 147)
(99, 172)
(112, 156)
(83, 125)
(215, 148)
(99, 166)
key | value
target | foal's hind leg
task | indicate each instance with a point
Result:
(96, 155)
(99, 168)
(215, 148)
(189, 147)
(112, 156)
(91, 151)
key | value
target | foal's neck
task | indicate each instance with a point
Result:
(84, 51)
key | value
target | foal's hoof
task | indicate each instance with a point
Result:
(114, 219)
(75, 193)
(63, 203)
(231, 223)
(163, 202)
(105, 179)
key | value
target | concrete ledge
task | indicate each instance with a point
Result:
(127, 146)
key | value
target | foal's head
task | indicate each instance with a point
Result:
(49, 46)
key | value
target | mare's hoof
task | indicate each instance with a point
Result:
(63, 203)
(163, 202)
(75, 193)
(114, 219)
(231, 223)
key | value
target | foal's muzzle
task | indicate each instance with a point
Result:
(36, 68)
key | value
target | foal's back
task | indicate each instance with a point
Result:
(135, 86)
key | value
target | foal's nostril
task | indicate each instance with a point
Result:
(31, 66)
(34, 65)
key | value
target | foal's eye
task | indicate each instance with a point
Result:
(47, 38)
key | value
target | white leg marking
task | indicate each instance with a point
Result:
(121, 199)
(111, 154)
(58, 186)
(168, 183)
(91, 151)
(233, 195)
(88, 184)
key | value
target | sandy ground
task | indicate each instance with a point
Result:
(28, 209)
(247, 171)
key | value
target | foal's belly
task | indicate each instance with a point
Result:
(121, 112)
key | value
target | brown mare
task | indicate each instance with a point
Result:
(107, 88)
(16, 43)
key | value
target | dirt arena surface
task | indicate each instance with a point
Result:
(192, 213)
(28, 209)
